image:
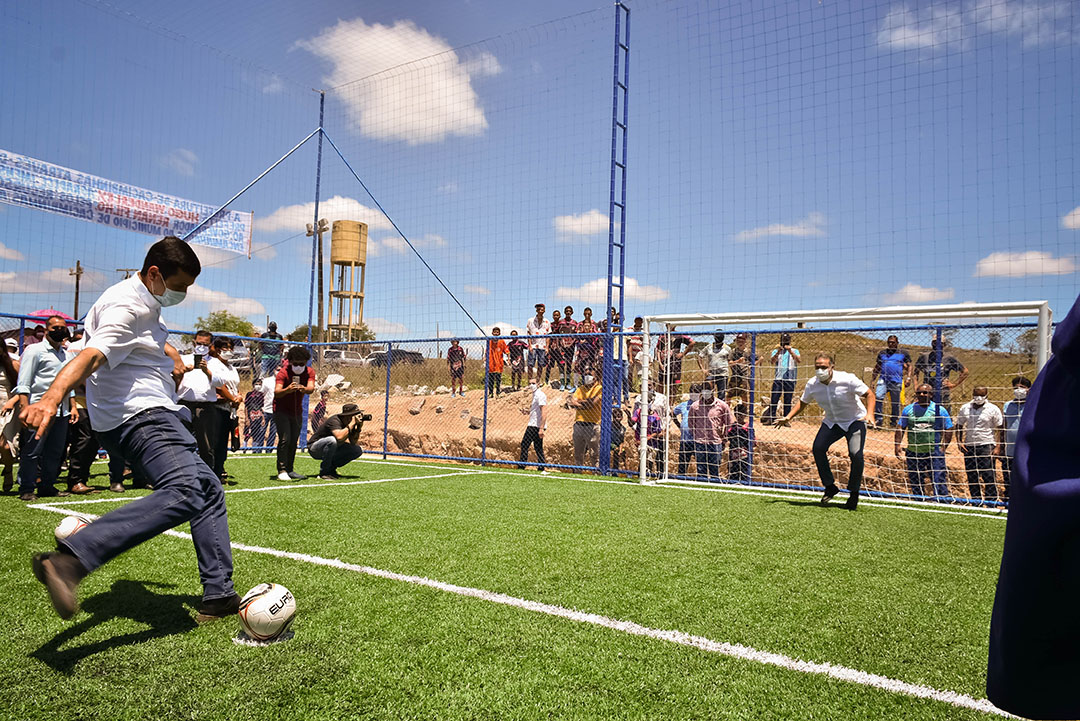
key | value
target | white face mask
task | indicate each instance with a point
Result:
(823, 374)
(706, 395)
(978, 400)
(694, 397)
(589, 380)
(297, 370)
(1020, 393)
(201, 350)
(532, 388)
(169, 296)
(225, 354)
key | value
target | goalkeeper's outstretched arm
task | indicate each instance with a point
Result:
(795, 410)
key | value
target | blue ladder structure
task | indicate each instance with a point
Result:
(614, 363)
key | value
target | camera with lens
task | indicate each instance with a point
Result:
(365, 416)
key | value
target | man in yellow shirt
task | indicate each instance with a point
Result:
(586, 403)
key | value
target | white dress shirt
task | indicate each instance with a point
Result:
(226, 375)
(268, 385)
(840, 398)
(979, 423)
(536, 332)
(125, 326)
(195, 386)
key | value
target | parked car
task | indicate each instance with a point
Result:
(378, 358)
(335, 358)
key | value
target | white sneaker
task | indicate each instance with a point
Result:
(296, 476)
(283, 476)
(544, 472)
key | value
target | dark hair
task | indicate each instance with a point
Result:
(203, 331)
(7, 367)
(39, 328)
(298, 354)
(170, 255)
(785, 338)
(60, 318)
(222, 342)
(695, 388)
(1021, 381)
(823, 354)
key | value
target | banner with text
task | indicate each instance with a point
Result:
(34, 183)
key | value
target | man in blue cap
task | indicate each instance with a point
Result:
(1035, 630)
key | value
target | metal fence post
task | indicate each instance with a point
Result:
(752, 392)
(487, 384)
(386, 405)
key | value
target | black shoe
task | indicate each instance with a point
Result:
(51, 493)
(829, 493)
(217, 608)
(27, 497)
(329, 476)
(852, 503)
(116, 487)
(61, 573)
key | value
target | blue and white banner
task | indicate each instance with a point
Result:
(34, 183)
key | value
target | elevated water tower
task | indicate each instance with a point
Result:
(348, 259)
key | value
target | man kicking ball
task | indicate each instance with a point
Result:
(841, 395)
(130, 373)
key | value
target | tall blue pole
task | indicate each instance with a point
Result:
(487, 385)
(752, 394)
(386, 404)
(315, 224)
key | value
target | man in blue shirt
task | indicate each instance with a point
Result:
(1012, 412)
(41, 457)
(785, 361)
(893, 364)
(929, 430)
(681, 413)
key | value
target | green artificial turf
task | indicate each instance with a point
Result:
(894, 592)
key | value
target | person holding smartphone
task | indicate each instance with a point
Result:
(337, 440)
(294, 380)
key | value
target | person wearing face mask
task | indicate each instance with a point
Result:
(681, 416)
(842, 396)
(929, 430)
(294, 381)
(227, 401)
(714, 361)
(42, 457)
(1007, 433)
(36, 337)
(131, 372)
(534, 430)
(710, 421)
(978, 424)
(198, 392)
(586, 404)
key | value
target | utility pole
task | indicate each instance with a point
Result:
(324, 225)
(77, 271)
(127, 272)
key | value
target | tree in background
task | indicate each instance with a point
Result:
(222, 321)
(993, 340)
(1029, 342)
(299, 333)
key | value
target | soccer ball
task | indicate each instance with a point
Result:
(266, 611)
(70, 525)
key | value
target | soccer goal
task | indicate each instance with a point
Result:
(758, 364)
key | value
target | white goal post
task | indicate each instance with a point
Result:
(798, 318)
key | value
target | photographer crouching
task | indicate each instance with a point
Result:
(337, 440)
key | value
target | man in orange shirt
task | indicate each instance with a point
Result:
(496, 354)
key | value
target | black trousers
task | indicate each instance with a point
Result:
(221, 444)
(979, 464)
(205, 426)
(532, 437)
(856, 439)
(288, 431)
(83, 446)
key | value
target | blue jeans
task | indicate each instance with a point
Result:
(687, 450)
(930, 464)
(708, 459)
(159, 447)
(42, 458)
(780, 387)
(333, 453)
(892, 390)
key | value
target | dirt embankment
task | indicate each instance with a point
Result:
(441, 426)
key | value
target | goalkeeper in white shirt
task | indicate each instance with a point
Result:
(842, 396)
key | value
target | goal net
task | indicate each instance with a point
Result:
(950, 450)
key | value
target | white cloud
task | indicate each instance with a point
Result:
(387, 329)
(449, 187)
(263, 251)
(447, 334)
(950, 26)
(395, 244)
(273, 85)
(54, 280)
(218, 300)
(504, 329)
(1018, 265)
(809, 227)
(572, 228)
(1072, 219)
(7, 253)
(477, 290)
(425, 93)
(296, 217)
(181, 161)
(595, 292)
(913, 293)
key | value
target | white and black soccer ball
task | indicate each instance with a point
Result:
(266, 611)
(70, 524)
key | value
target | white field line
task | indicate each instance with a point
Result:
(117, 499)
(733, 650)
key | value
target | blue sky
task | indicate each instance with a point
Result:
(794, 155)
